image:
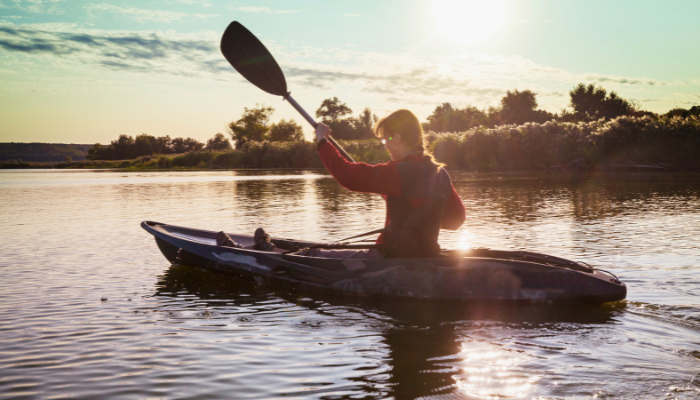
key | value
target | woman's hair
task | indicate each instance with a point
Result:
(405, 124)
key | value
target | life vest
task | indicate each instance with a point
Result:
(413, 231)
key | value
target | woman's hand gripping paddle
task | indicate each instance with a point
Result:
(252, 60)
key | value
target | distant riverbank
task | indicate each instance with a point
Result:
(42, 153)
(255, 155)
(639, 143)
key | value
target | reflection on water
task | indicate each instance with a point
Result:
(430, 348)
(91, 309)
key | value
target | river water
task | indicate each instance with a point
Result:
(90, 309)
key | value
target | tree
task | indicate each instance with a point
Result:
(122, 148)
(364, 123)
(446, 118)
(286, 131)
(143, 145)
(592, 102)
(683, 113)
(331, 110)
(127, 147)
(180, 145)
(494, 116)
(521, 107)
(177, 146)
(332, 113)
(516, 106)
(252, 126)
(162, 145)
(218, 142)
(96, 152)
(472, 117)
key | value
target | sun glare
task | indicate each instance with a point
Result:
(468, 21)
(465, 240)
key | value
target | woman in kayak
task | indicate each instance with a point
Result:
(418, 191)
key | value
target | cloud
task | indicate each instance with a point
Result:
(139, 14)
(625, 81)
(203, 3)
(478, 79)
(321, 78)
(38, 6)
(267, 10)
(48, 26)
(552, 94)
(149, 52)
(8, 71)
(418, 81)
(160, 53)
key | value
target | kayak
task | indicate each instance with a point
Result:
(477, 274)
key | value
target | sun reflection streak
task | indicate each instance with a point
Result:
(489, 373)
(465, 240)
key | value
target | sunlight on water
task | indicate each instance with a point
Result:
(490, 373)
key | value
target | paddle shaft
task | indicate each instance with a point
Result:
(313, 123)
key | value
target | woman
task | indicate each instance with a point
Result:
(418, 191)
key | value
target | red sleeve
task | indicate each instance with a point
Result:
(360, 177)
(454, 214)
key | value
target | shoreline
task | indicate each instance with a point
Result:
(634, 169)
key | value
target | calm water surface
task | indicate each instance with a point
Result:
(89, 308)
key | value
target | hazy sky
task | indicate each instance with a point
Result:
(74, 71)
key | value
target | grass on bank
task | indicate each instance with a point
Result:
(295, 155)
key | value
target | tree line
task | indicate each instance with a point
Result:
(127, 147)
(254, 125)
(586, 103)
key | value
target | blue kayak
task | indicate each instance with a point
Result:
(454, 275)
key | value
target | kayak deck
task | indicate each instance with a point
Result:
(471, 275)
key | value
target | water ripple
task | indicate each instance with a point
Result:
(91, 309)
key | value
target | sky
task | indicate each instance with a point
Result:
(74, 71)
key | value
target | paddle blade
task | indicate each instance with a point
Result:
(252, 60)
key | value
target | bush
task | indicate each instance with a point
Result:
(645, 140)
(369, 150)
(192, 159)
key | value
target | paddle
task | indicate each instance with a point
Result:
(252, 60)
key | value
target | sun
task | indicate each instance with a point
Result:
(468, 21)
